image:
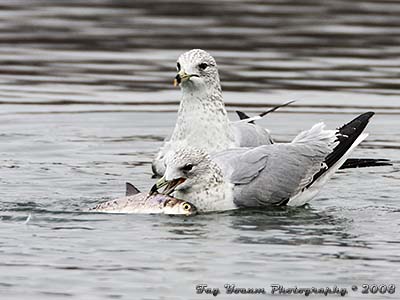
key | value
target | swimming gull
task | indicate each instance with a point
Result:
(202, 120)
(279, 174)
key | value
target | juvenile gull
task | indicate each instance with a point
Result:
(279, 174)
(202, 120)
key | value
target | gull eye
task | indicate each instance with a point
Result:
(178, 66)
(203, 66)
(186, 206)
(187, 167)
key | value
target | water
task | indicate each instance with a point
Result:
(86, 98)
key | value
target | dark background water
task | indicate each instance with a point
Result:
(86, 98)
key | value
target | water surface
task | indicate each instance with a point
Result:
(86, 98)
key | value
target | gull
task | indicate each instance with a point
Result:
(202, 120)
(279, 174)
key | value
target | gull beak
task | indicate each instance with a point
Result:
(182, 76)
(170, 186)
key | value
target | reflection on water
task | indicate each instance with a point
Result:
(295, 226)
(116, 52)
(86, 98)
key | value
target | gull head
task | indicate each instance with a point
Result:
(186, 169)
(197, 70)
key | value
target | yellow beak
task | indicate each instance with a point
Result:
(161, 182)
(182, 76)
(170, 185)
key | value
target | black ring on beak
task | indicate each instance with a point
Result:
(178, 78)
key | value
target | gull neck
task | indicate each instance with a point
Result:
(203, 120)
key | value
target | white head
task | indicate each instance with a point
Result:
(188, 168)
(197, 70)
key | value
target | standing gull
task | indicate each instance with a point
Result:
(202, 118)
(279, 174)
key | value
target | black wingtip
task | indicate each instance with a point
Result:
(358, 123)
(346, 136)
(243, 116)
(276, 108)
(353, 163)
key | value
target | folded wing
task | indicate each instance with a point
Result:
(279, 173)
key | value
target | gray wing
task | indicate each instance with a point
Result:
(271, 174)
(246, 135)
(250, 135)
(242, 165)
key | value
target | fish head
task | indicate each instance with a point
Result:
(175, 206)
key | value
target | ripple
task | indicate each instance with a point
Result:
(86, 99)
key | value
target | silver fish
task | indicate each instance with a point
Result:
(136, 202)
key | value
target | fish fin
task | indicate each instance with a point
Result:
(131, 189)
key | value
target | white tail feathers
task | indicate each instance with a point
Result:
(304, 196)
(316, 134)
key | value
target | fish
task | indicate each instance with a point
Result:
(136, 202)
